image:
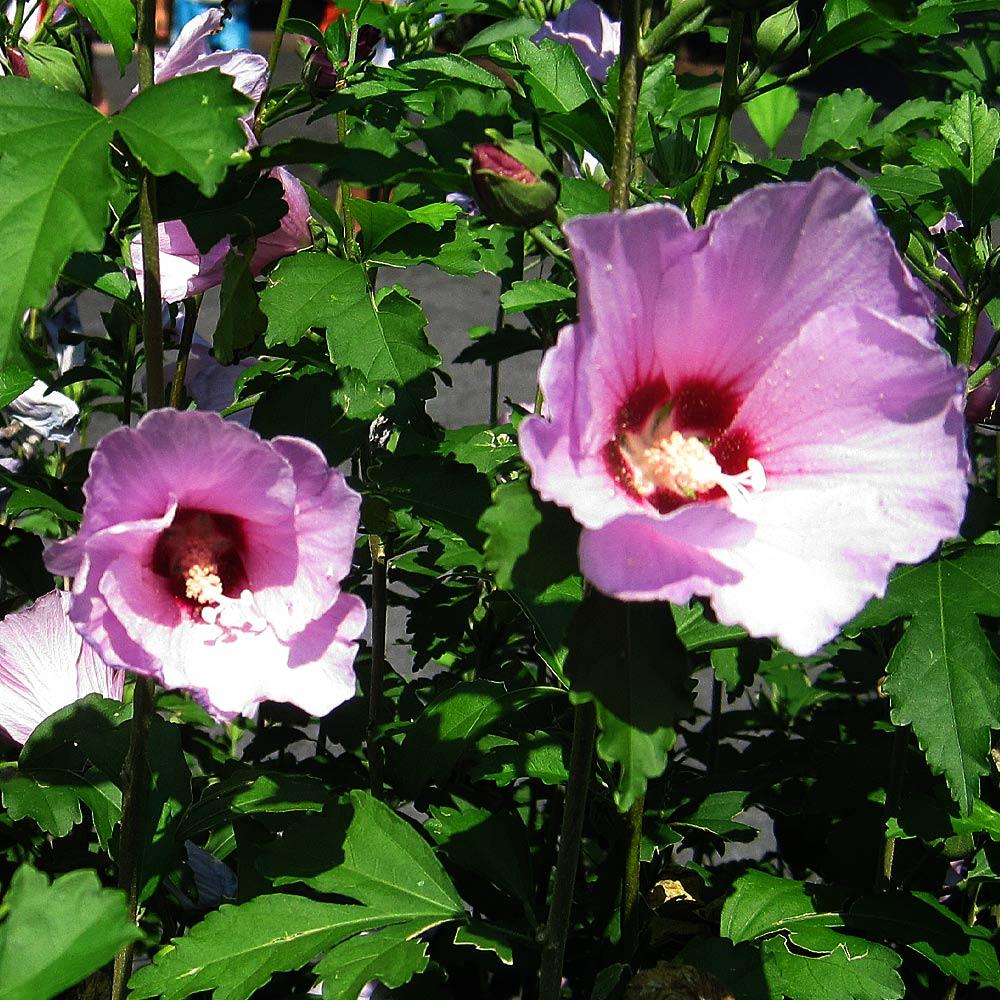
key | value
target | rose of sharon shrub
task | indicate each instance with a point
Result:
(212, 560)
(45, 665)
(754, 411)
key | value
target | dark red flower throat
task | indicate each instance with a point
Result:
(671, 444)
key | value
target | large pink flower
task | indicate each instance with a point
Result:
(754, 411)
(212, 561)
(45, 666)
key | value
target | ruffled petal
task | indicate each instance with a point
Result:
(326, 524)
(637, 558)
(44, 666)
(196, 460)
(189, 46)
(563, 468)
(859, 428)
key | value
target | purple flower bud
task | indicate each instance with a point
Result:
(17, 64)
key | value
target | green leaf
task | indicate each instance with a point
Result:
(55, 808)
(491, 845)
(236, 949)
(485, 937)
(55, 185)
(240, 320)
(114, 21)
(838, 124)
(943, 676)
(716, 814)
(508, 524)
(390, 956)
(772, 113)
(363, 850)
(53, 936)
(531, 547)
(14, 381)
(53, 66)
(700, 633)
(870, 975)
(318, 290)
(451, 722)
(927, 927)
(838, 965)
(626, 658)
(381, 219)
(332, 409)
(523, 295)
(973, 130)
(556, 77)
(188, 125)
(762, 904)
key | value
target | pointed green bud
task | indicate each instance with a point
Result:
(778, 35)
(515, 183)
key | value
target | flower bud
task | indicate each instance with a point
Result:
(18, 65)
(778, 35)
(322, 75)
(515, 183)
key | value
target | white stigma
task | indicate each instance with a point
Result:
(203, 584)
(686, 466)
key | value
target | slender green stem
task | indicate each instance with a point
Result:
(135, 788)
(630, 881)
(897, 767)
(967, 319)
(729, 101)
(152, 308)
(376, 759)
(629, 82)
(130, 362)
(507, 278)
(970, 918)
(539, 236)
(574, 811)
(350, 243)
(715, 732)
(18, 23)
(276, 39)
(191, 309)
(135, 770)
(678, 19)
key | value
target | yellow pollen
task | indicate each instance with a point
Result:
(203, 583)
(684, 465)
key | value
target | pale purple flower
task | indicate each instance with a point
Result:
(190, 52)
(754, 411)
(45, 412)
(212, 560)
(595, 36)
(45, 665)
(211, 385)
(185, 270)
(981, 403)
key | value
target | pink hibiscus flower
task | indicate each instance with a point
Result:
(212, 561)
(595, 37)
(754, 411)
(45, 666)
